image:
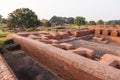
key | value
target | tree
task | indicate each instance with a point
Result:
(113, 22)
(3, 21)
(100, 22)
(0, 16)
(48, 24)
(70, 20)
(58, 20)
(92, 23)
(23, 17)
(79, 21)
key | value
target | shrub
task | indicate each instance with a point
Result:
(60, 27)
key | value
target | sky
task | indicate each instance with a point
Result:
(45, 9)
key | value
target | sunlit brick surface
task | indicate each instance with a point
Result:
(66, 64)
(5, 72)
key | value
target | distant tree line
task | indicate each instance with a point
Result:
(26, 18)
(2, 20)
(113, 22)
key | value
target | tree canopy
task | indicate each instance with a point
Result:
(23, 17)
(92, 23)
(113, 22)
(100, 22)
(58, 20)
(79, 21)
(70, 20)
(2, 20)
(62, 20)
(47, 24)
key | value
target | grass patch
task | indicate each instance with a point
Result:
(2, 26)
(78, 27)
(5, 33)
(75, 27)
(2, 39)
(60, 27)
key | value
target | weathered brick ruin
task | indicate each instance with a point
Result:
(5, 71)
(110, 33)
(60, 52)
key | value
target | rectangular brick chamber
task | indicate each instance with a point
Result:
(108, 33)
(68, 66)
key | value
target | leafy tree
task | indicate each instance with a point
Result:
(3, 20)
(92, 23)
(58, 20)
(23, 17)
(48, 24)
(100, 22)
(0, 16)
(113, 22)
(79, 21)
(70, 20)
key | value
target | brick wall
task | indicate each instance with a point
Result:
(5, 71)
(68, 66)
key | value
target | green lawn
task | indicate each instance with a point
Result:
(2, 39)
(3, 35)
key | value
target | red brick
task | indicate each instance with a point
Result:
(114, 33)
(55, 35)
(5, 72)
(111, 60)
(98, 32)
(68, 66)
(79, 52)
(89, 53)
(33, 37)
(67, 46)
(64, 35)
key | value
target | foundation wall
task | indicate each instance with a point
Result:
(109, 33)
(68, 66)
(5, 71)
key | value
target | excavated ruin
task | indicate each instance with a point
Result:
(86, 54)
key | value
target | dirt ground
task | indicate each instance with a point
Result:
(100, 49)
(25, 68)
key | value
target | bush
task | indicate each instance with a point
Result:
(60, 27)
(10, 41)
(47, 24)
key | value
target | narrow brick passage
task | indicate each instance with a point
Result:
(25, 68)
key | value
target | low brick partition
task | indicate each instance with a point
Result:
(98, 39)
(116, 39)
(65, 46)
(33, 36)
(110, 60)
(68, 66)
(55, 35)
(80, 33)
(84, 52)
(89, 52)
(5, 72)
(98, 32)
(114, 33)
(105, 33)
(63, 35)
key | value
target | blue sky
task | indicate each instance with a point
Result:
(90, 9)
